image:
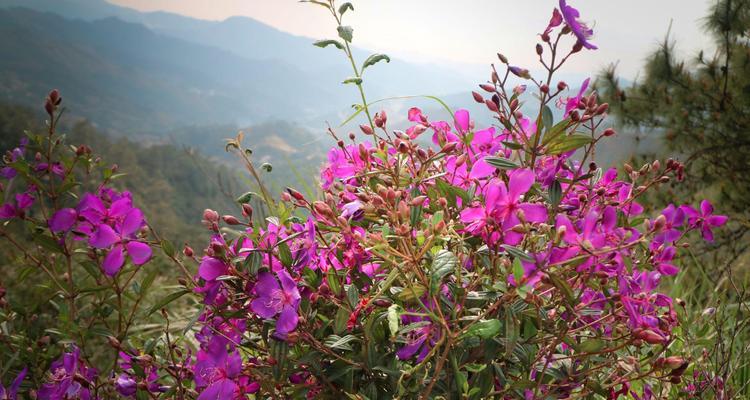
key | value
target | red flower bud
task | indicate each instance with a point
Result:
(366, 129)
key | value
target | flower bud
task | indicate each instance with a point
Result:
(247, 211)
(561, 85)
(295, 194)
(187, 251)
(322, 209)
(491, 105)
(544, 88)
(230, 220)
(609, 132)
(603, 108)
(539, 49)
(487, 87)
(448, 147)
(502, 58)
(210, 215)
(418, 201)
(477, 97)
(366, 129)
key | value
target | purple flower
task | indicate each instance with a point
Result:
(17, 208)
(554, 21)
(12, 391)
(69, 378)
(63, 220)
(218, 373)
(123, 239)
(127, 382)
(502, 204)
(572, 102)
(274, 299)
(705, 219)
(582, 32)
(125, 385)
(674, 217)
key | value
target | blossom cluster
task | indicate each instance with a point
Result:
(440, 259)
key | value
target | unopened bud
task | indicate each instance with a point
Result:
(491, 105)
(487, 87)
(366, 129)
(502, 58)
(230, 220)
(539, 49)
(187, 251)
(210, 215)
(477, 97)
(608, 132)
(418, 201)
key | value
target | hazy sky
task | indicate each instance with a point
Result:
(472, 31)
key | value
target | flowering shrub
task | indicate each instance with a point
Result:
(444, 260)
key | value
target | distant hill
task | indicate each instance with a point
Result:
(171, 69)
(127, 78)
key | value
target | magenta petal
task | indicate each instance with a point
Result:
(121, 207)
(104, 237)
(223, 389)
(717, 220)
(63, 220)
(288, 284)
(706, 208)
(287, 321)
(534, 212)
(520, 183)
(481, 169)
(132, 222)
(415, 114)
(462, 120)
(139, 252)
(472, 214)
(667, 269)
(7, 211)
(211, 268)
(113, 260)
(263, 308)
(266, 285)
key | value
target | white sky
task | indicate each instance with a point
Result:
(472, 31)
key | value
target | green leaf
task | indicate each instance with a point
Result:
(591, 346)
(547, 118)
(374, 59)
(166, 300)
(443, 264)
(329, 42)
(354, 80)
(285, 255)
(346, 32)
(484, 329)
(412, 293)
(48, 243)
(394, 318)
(246, 197)
(568, 143)
(518, 253)
(344, 7)
(168, 248)
(500, 163)
(555, 194)
(517, 271)
(340, 343)
(333, 281)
